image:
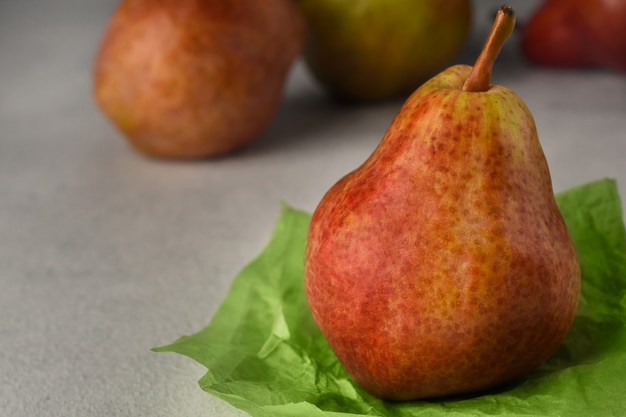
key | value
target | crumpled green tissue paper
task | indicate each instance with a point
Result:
(265, 355)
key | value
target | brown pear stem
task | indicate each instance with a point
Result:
(480, 77)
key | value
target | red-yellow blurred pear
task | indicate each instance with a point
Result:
(442, 265)
(195, 78)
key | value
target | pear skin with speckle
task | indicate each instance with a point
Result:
(442, 265)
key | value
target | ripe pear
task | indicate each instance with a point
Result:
(442, 265)
(195, 78)
(577, 33)
(371, 50)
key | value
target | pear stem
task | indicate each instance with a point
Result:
(480, 77)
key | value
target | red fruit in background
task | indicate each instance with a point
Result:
(577, 33)
(195, 78)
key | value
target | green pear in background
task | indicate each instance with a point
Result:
(369, 50)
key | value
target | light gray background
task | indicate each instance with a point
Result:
(105, 254)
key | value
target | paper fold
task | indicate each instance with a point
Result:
(265, 355)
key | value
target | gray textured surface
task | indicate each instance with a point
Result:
(105, 254)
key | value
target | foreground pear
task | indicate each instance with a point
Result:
(442, 265)
(195, 78)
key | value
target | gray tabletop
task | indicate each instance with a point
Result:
(105, 254)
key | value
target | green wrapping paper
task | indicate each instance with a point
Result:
(266, 356)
